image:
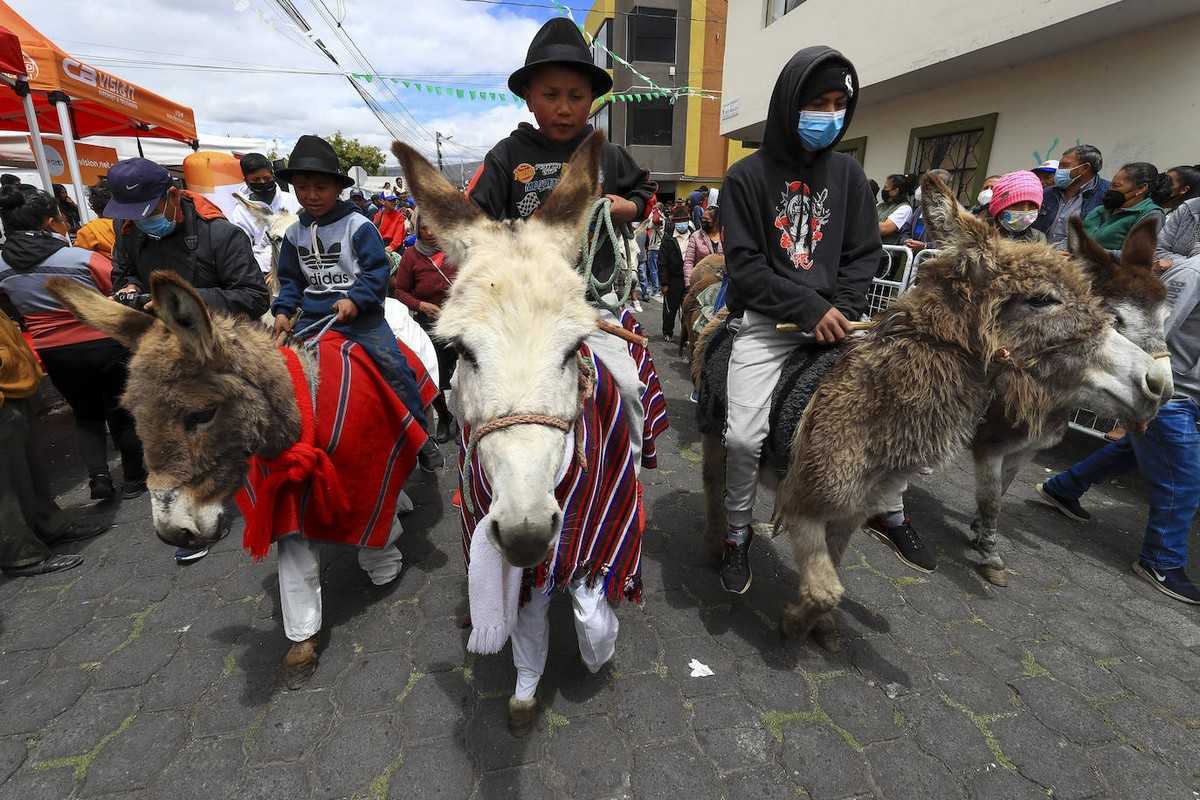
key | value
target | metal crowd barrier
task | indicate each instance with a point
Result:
(886, 288)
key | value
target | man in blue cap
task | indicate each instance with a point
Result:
(160, 226)
(164, 227)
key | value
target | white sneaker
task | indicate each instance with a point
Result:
(637, 306)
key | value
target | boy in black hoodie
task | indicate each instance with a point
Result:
(801, 244)
(559, 82)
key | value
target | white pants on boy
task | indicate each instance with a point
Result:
(300, 579)
(759, 352)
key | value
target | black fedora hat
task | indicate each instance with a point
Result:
(313, 154)
(559, 41)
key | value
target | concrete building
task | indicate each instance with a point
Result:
(981, 88)
(673, 43)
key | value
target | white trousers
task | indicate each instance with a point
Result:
(614, 353)
(596, 628)
(300, 579)
(754, 366)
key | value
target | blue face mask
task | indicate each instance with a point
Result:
(818, 129)
(681, 227)
(156, 226)
(1062, 177)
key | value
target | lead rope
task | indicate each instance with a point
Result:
(600, 228)
(587, 384)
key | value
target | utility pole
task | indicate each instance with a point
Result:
(440, 138)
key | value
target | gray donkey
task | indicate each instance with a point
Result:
(911, 392)
(1137, 301)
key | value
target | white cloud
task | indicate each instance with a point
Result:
(434, 39)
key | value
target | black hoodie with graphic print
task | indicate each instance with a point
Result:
(799, 226)
(519, 173)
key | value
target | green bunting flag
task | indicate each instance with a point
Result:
(488, 96)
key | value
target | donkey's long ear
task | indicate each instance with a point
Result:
(443, 208)
(260, 211)
(94, 309)
(1097, 262)
(568, 203)
(940, 208)
(947, 224)
(179, 306)
(565, 211)
(1141, 242)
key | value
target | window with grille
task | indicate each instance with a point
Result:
(961, 147)
(601, 45)
(777, 8)
(649, 122)
(652, 34)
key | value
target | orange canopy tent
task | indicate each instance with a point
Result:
(56, 93)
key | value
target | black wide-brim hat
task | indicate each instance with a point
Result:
(314, 154)
(559, 41)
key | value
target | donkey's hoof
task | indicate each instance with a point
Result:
(522, 716)
(996, 576)
(825, 633)
(796, 623)
(300, 663)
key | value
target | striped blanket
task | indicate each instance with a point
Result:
(603, 517)
(371, 439)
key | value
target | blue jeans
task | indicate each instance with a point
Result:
(370, 331)
(652, 271)
(1168, 457)
(642, 278)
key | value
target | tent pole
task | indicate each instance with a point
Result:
(64, 123)
(35, 135)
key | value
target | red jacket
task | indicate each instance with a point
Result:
(423, 279)
(392, 227)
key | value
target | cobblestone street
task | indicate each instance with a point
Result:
(132, 677)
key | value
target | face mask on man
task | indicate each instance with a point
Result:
(681, 227)
(156, 226)
(1062, 176)
(984, 197)
(263, 190)
(818, 129)
(1017, 221)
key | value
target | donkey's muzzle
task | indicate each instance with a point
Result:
(188, 537)
(528, 543)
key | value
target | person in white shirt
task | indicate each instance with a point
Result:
(261, 187)
(895, 210)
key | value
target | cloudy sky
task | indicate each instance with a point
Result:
(458, 42)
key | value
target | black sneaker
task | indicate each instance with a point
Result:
(101, 486)
(133, 489)
(1067, 506)
(735, 565)
(430, 456)
(903, 539)
(1174, 583)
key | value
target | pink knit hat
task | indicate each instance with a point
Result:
(1015, 187)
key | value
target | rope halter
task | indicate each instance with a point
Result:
(587, 383)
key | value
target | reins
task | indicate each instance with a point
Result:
(601, 228)
(587, 383)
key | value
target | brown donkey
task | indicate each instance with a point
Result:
(207, 392)
(1137, 301)
(911, 392)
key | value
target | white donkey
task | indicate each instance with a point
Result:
(518, 318)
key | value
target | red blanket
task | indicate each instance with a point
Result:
(371, 440)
